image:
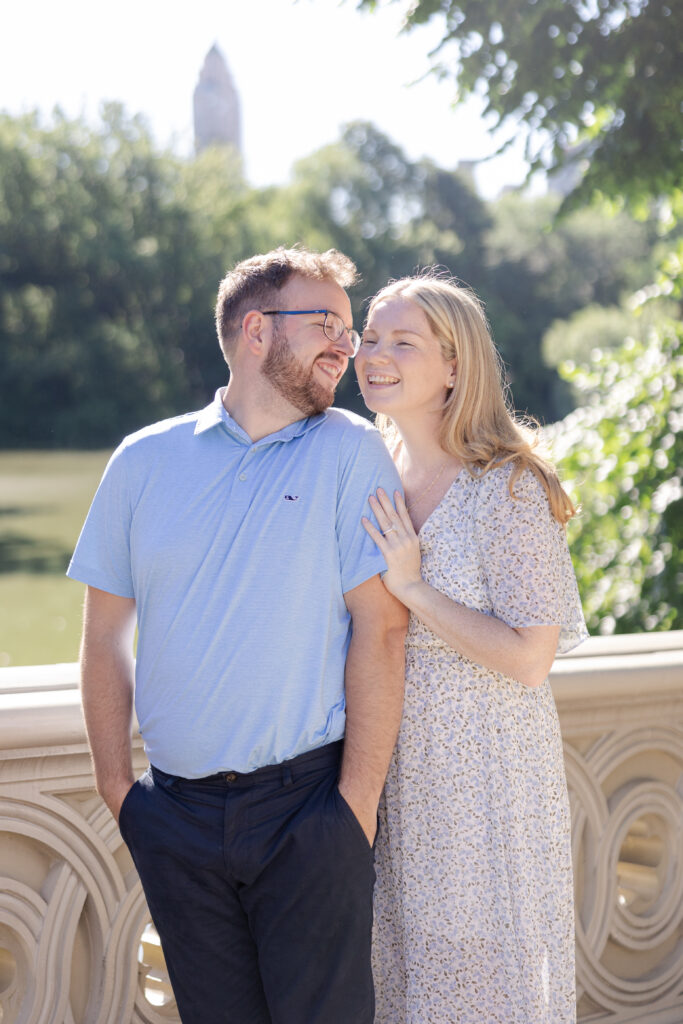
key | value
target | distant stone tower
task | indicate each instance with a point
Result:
(216, 105)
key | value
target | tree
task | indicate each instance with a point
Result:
(596, 83)
(542, 269)
(602, 328)
(111, 253)
(392, 216)
(363, 196)
(107, 278)
(621, 454)
(597, 79)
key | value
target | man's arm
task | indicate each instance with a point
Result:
(374, 696)
(107, 681)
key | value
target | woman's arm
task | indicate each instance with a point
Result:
(524, 653)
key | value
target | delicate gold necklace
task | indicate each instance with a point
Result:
(426, 491)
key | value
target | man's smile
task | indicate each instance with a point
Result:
(330, 367)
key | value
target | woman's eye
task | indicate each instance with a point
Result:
(368, 341)
(407, 344)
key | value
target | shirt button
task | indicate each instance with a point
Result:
(231, 776)
(243, 476)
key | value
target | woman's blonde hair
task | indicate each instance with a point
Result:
(479, 425)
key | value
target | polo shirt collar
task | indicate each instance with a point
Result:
(215, 413)
(211, 415)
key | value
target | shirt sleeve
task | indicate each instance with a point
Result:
(365, 466)
(525, 558)
(102, 555)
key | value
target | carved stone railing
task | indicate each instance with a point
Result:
(620, 701)
(76, 944)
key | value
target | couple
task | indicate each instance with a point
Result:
(270, 549)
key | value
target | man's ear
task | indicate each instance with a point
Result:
(253, 330)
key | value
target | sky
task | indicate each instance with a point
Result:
(303, 68)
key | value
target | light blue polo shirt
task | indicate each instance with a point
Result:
(238, 555)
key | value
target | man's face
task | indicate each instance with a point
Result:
(302, 364)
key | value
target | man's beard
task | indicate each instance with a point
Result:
(293, 381)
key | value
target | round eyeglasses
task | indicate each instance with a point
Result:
(333, 325)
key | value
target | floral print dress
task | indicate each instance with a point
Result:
(474, 897)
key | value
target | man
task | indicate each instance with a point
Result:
(233, 535)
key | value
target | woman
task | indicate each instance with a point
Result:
(474, 899)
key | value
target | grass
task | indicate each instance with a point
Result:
(44, 497)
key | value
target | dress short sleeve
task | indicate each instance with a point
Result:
(525, 557)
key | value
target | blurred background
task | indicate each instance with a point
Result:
(533, 149)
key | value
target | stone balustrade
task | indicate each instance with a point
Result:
(76, 943)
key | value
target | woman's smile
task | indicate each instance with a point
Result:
(398, 337)
(376, 380)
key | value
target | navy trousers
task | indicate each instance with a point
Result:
(260, 887)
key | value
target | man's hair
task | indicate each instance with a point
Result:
(256, 283)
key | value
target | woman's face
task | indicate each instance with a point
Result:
(400, 367)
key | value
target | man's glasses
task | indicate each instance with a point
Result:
(333, 325)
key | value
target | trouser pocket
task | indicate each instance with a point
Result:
(124, 812)
(346, 811)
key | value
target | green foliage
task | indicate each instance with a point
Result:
(363, 196)
(621, 455)
(106, 279)
(111, 252)
(595, 86)
(392, 216)
(591, 256)
(539, 270)
(601, 327)
(595, 82)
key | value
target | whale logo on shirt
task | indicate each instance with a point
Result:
(291, 497)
